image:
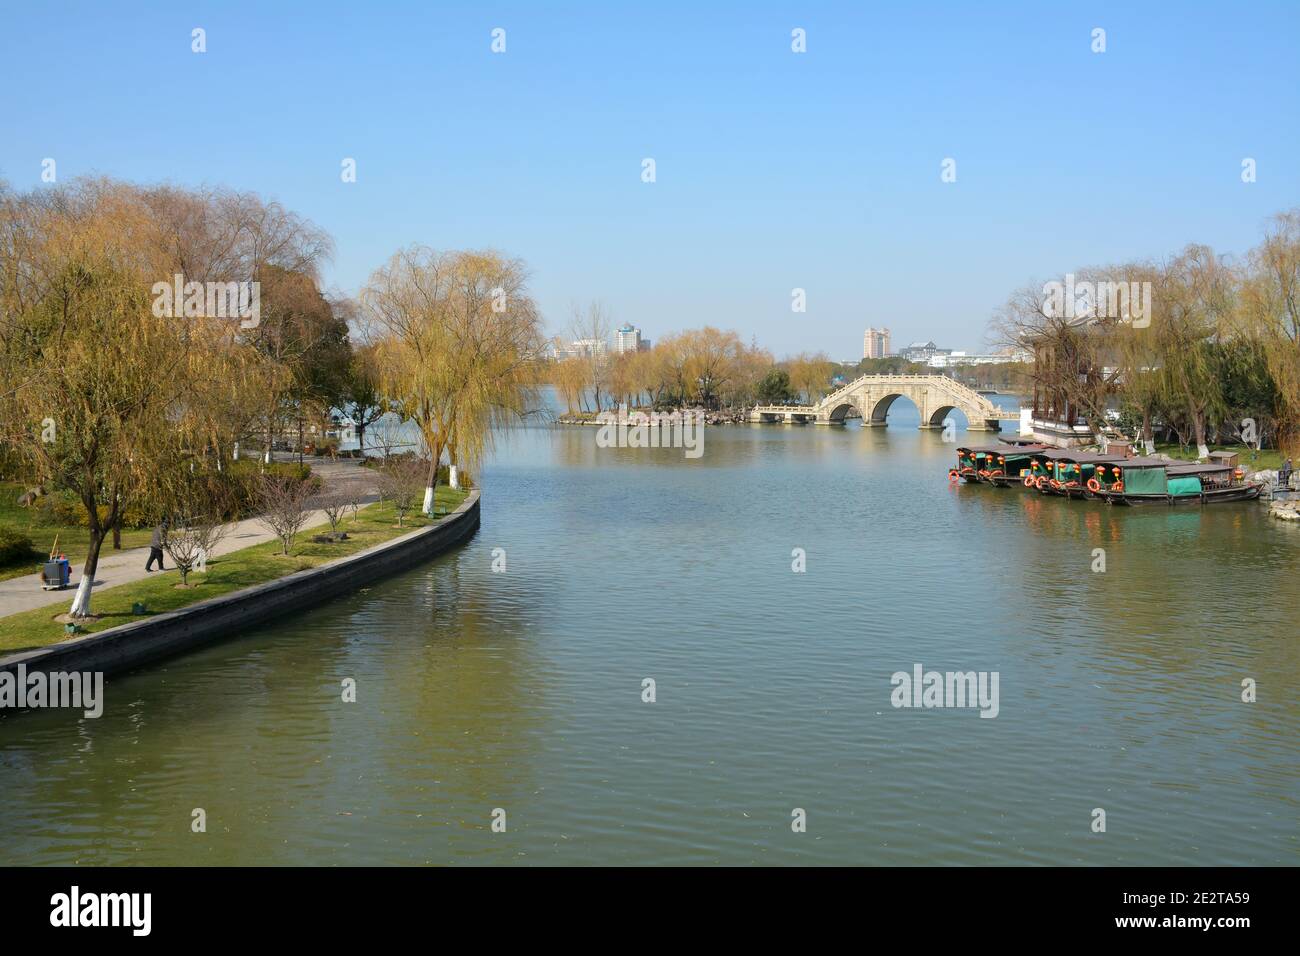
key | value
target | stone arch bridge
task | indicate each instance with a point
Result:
(933, 395)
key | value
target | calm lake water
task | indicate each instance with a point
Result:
(522, 690)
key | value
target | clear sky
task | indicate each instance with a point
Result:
(775, 170)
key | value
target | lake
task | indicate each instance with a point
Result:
(522, 690)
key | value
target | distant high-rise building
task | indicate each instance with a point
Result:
(875, 344)
(627, 339)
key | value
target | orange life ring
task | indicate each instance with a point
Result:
(953, 474)
(995, 473)
(1094, 485)
(1118, 486)
(1029, 481)
(1054, 483)
(1041, 483)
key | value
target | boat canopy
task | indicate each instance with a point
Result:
(1144, 476)
(1081, 457)
(990, 450)
(1195, 468)
(1143, 463)
(1184, 485)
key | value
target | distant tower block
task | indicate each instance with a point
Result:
(875, 343)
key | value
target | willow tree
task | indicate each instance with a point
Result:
(495, 333)
(457, 340)
(108, 399)
(810, 375)
(1270, 305)
(1192, 309)
(1138, 355)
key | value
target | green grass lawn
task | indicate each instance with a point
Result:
(73, 541)
(1251, 460)
(374, 524)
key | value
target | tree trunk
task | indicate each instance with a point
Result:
(1147, 441)
(117, 536)
(1198, 427)
(81, 602)
(454, 477)
(431, 486)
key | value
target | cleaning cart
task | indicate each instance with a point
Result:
(55, 573)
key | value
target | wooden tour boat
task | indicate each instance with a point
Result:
(1113, 478)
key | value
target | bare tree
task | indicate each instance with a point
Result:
(403, 482)
(335, 505)
(191, 540)
(592, 328)
(385, 437)
(284, 507)
(1075, 368)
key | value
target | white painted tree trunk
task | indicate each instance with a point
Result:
(81, 602)
(234, 455)
(266, 459)
(428, 500)
(454, 477)
(1202, 450)
(1150, 446)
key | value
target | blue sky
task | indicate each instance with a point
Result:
(775, 170)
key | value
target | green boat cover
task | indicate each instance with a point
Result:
(1148, 481)
(1186, 485)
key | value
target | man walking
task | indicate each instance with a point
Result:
(156, 547)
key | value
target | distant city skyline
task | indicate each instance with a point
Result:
(823, 171)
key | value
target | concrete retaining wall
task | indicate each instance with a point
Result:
(142, 642)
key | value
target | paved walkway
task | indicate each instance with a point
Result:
(121, 567)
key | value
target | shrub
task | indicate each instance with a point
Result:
(245, 480)
(15, 547)
(65, 508)
(61, 508)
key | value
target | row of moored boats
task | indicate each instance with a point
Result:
(1114, 478)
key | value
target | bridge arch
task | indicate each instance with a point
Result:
(880, 408)
(962, 420)
(839, 412)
